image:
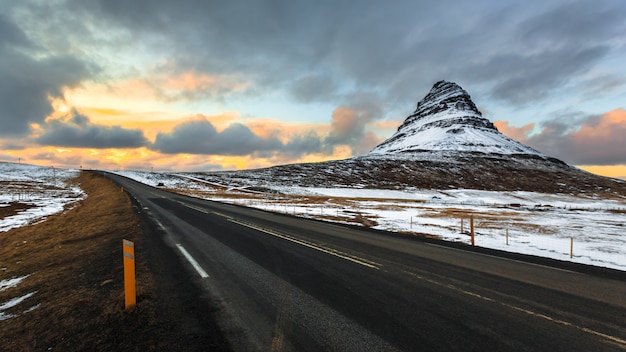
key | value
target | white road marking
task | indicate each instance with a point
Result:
(223, 215)
(526, 311)
(361, 261)
(503, 258)
(192, 261)
(160, 224)
(192, 207)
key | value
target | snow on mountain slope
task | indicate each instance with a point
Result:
(447, 120)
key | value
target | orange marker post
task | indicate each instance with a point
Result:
(130, 293)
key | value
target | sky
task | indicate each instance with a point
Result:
(195, 85)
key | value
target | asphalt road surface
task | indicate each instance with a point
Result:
(282, 283)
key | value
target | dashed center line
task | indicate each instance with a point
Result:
(336, 253)
(333, 252)
(192, 261)
(192, 207)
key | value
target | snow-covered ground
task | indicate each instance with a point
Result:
(47, 190)
(538, 224)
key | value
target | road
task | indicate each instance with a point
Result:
(283, 283)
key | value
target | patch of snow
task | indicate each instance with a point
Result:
(8, 283)
(12, 303)
(47, 189)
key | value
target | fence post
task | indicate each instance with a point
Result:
(507, 234)
(472, 229)
(571, 247)
(461, 225)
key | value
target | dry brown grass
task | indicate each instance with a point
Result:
(75, 266)
(13, 209)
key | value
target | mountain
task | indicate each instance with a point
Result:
(447, 120)
(445, 144)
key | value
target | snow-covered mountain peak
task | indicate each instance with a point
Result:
(447, 119)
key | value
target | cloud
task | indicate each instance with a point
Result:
(170, 84)
(574, 23)
(548, 49)
(532, 78)
(517, 133)
(200, 137)
(12, 146)
(593, 140)
(323, 50)
(348, 127)
(311, 88)
(302, 144)
(26, 82)
(78, 131)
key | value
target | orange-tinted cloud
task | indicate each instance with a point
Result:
(594, 140)
(190, 82)
(348, 127)
(518, 133)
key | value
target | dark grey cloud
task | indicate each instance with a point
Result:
(26, 82)
(78, 131)
(311, 88)
(562, 43)
(535, 76)
(365, 43)
(574, 23)
(328, 51)
(303, 144)
(305, 47)
(348, 128)
(12, 146)
(11, 34)
(605, 85)
(201, 137)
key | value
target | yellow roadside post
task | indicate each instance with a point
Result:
(130, 294)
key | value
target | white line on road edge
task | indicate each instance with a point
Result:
(345, 256)
(503, 258)
(338, 254)
(610, 338)
(160, 224)
(192, 261)
(192, 207)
